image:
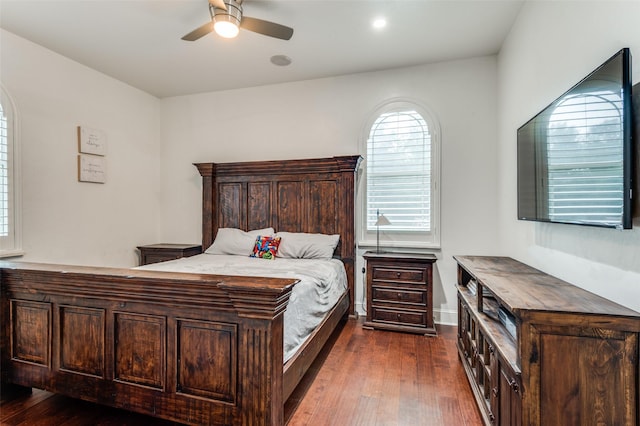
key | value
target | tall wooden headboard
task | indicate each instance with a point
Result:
(310, 195)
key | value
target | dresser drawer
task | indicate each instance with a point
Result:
(398, 317)
(400, 275)
(402, 296)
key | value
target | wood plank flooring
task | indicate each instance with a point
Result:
(363, 377)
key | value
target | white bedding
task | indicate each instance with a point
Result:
(322, 282)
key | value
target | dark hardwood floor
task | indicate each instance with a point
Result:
(363, 377)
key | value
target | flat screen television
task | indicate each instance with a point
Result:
(575, 158)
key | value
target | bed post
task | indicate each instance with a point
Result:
(209, 218)
(348, 167)
(260, 313)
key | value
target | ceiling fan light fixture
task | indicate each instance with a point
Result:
(226, 29)
(226, 23)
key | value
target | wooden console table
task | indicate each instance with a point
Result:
(540, 351)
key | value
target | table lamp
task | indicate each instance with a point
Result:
(381, 221)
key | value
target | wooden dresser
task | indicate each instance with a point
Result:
(560, 355)
(155, 253)
(400, 292)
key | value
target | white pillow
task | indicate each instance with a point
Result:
(298, 245)
(236, 241)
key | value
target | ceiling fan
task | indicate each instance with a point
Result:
(227, 19)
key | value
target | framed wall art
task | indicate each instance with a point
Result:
(92, 141)
(92, 168)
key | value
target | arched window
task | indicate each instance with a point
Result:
(10, 241)
(401, 175)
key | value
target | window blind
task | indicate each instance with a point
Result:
(4, 175)
(399, 172)
(585, 158)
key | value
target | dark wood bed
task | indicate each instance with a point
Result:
(193, 348)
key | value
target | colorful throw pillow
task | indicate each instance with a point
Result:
(266, 247)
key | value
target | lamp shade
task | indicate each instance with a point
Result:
(382, 221)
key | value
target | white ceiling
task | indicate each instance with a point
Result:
(138, 41)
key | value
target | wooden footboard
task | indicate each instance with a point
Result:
(186, 347)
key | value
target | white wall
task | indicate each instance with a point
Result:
(65, 221)
(325, 117)
(551, 47)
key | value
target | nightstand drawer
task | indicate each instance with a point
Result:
(399, 317)
(402, 296)
(159, 257)
(400, 275)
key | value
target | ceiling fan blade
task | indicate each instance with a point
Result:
(267, 28)
(218, 3)
(199, 32)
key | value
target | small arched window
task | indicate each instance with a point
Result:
(401, 174)
(10, 242)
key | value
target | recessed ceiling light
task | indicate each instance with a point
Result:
(379, 23)
(280, 60)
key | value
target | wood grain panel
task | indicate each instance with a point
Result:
(207, 357)
(596, 385)
(82, 339)
(290, 207)
(258, 205)
(231, 212)
(31, 331)
(140, 349)
(323, 206)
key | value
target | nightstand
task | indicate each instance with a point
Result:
(154, 253)
(400, 292)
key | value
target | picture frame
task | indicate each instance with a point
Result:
(92, 168)
(92, 141)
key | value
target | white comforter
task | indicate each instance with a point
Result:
(322, 282)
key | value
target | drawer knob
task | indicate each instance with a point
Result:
(398, 315)
(399, 296)
(398, 274)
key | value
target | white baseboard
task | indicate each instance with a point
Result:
(445, 316)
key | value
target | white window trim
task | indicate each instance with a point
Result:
(16, 249)
(395, 240)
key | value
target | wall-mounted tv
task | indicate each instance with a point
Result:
(575, 158)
